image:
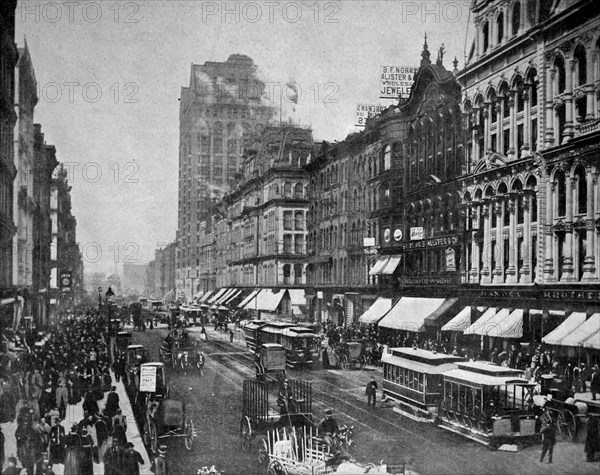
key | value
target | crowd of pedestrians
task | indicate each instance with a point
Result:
(41, 382)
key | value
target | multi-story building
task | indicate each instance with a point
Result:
(339, 285)
(150, 285)
(24, 206)
(221, 111)
(531, 189)
(8, 118)
(43, 168)
(164, 270)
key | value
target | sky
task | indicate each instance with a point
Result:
(110, 72)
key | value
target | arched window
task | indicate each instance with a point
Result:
(533, 81)
(561, 193)
(298, 189)
(533, 210)
(580, 58)
(559, 68)
(581, 184)
(387, 157)
(492, 99)
(500, 28)
(486, 36)
(516, 18)
(287, 190)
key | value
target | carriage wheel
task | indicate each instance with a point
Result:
(276, 468)
(263, 451)
(344, 362)
(153, 436)
(567, 425)
(245, 433)
(189, 434)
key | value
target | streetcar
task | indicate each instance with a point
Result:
(302, 347)
(272, 332)
(487, 403)
(270, 359)
(413, 378)
(251, 333)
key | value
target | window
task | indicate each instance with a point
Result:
(297, 273)
(287, 220)
(581, 60)
(561, 193)
(559, 68)
(516, 18)
(486, 36)
(298, 220)
(286, 273)
(387, 157)
(287, 243)
(287, 190)
(298, 191)
(581, 184)
(500, 28)
(299, 244)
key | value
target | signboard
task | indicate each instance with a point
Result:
(387, 235)
(366, 111)
(429, 280)
(148, 379)
(416, 234)
(396, 81)
(432, 242)
(450, 259)
(65, 281)
(368, 242)
(319, 294)
(398, 235)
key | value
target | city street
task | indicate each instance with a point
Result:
(214, 403)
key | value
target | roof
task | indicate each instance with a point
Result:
(417, 366)
(478, 379)
(134, 346)
(157, 364)
(426, 356)
(272, 345)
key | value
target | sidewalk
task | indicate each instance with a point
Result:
(73, 416)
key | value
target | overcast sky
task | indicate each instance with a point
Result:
(110, 74)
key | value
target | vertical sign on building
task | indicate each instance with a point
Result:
(366, 111)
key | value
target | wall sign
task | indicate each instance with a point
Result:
(387, 235)
(416, 234)
(148, 379)
(398, 235)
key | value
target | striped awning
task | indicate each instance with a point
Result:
(566, 327)
(583, 332)
(223, 296)
(214, 297)
(593, 341)
(205, 296)
(391, 265)
(379, 266)
(487, 324)
(462, 320)
(248, 298)
(380, 307)
(231, 296)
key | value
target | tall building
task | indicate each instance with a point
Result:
(8, 118)
(164, 270)
(24, 206)
(220, 112)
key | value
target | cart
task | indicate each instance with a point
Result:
(303, 453)
(135, 355)
(270, 359)
(152, 383)
(166, 419)
(122, 341)
(293, 410)
(347, 355)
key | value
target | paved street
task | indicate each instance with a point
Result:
(214, 402)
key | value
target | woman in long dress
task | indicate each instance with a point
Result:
(87, 453)
(72, 453)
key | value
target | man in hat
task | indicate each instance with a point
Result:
(57, 437)
(112, 403)
(371, 391)
(43, 465)
(46, 400)
(161, 466)
(328, 428)
(132, 460)
(62, 398)
(548, 434)
(12, 468)
(595, 382)
(114, 459)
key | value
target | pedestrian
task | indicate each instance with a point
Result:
(132, 460)
(592, 440)
(595, 382)
(114, 459)
(161, 466)
(72, 456)
(112, 403)
(43, 465)
(1, 448)
(12, 468)
(371, 391)
(231, 336)
(57, 439)
(87, 453)
(548, 434)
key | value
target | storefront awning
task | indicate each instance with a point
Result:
(231, 296)
(248, 298)
(205, 296)
(593, 341)
(488, 322)
(439, 316)
(297, 296)
(265, 300)
(566, 327)
(409, 313)
(380, 307)
(462, 320)
(583, 332)
(379, 266)
(391, 265)
(214, 297)
(224, 295)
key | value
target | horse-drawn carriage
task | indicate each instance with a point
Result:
(346, 355)
(181, 352)
(293, 410)
(135, 355)
(165, 419)
(122, 341)
(270, 359)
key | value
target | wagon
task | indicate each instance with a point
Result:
(166, 419)
(135, 355)
(122, 341)
(152, 382)
(270, 359)
(302, 453)
(259, 414)
(347, 355)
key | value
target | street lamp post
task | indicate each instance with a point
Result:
(99, 302)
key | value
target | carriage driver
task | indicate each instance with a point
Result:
(329, 428)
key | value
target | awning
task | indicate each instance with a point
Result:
(409, 313)
(502, 326)
(375, 312)
(379, 265)
(297, 296)
(214, 297)
(205, 296)
(593, 341)
(268, 300)
(248, 298)
(566, 327)
(391, 265)
(441, 315)
(231, 296)
(583, 332)
(224, 296)
(478, 327)
(462, 320)
(170, 295)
